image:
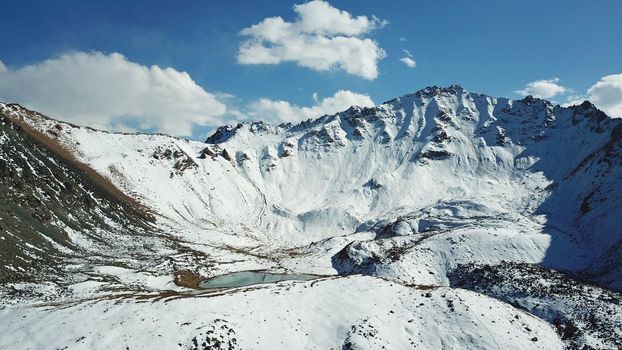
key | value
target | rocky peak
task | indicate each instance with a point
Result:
(224, 133)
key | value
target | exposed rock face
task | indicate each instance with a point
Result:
(226, 155)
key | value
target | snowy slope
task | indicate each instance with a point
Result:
(344, 313)
(409, 190)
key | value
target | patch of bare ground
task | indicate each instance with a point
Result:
(187, 279)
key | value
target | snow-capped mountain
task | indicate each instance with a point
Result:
(427, 196)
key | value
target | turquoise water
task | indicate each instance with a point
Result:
(248, 278)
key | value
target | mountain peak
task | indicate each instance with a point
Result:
(438, 90)
(432, 91)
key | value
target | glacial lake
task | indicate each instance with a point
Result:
(249, 278)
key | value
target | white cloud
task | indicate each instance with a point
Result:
(543, 88)
(409, 62)
(282, 111)
(321, 38)
(407, 59)
(106, 91)
(3, 68)
(606, 94)
(319, 17)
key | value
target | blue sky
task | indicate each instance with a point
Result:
(493, 47)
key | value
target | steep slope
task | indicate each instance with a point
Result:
(63, 226)
(410, 192)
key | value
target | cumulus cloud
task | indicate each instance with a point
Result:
(109, 91)
(321, 38)
(543, 88)
(282, 111)
(606, 94)
(408, 60)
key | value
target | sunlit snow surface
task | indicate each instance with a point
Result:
(357, 312)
